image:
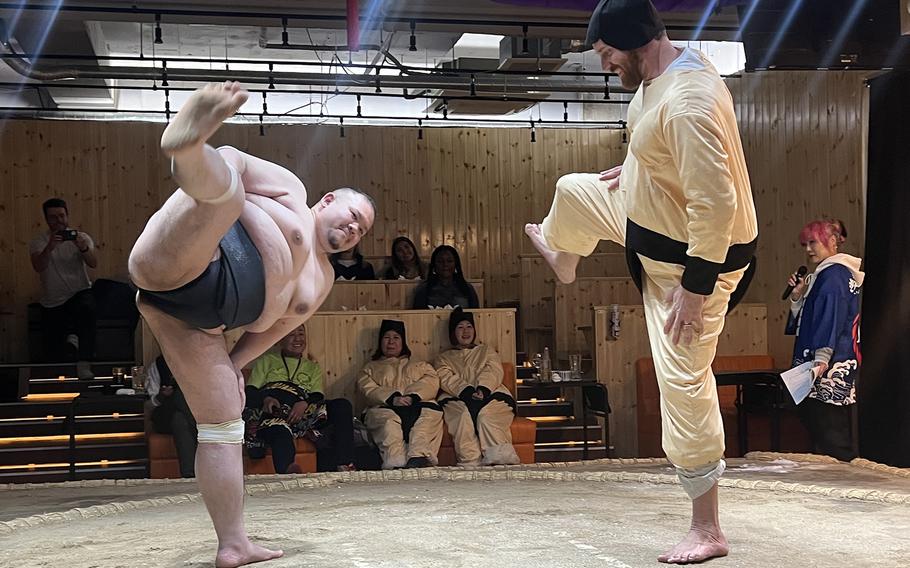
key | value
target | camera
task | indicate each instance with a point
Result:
(68, 234)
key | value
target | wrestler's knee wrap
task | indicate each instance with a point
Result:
(230, 432)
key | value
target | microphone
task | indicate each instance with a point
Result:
(800, 272)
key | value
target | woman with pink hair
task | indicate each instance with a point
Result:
(824, 316)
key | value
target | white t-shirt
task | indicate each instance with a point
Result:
(65, 274)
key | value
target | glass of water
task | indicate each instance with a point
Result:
(575, 365)
(138, 375)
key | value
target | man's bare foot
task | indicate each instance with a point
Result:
(562, 263)
(202, 115)
(698, 546)
(246, 553)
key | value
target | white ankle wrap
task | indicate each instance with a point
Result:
(230, 432)
(697, 482)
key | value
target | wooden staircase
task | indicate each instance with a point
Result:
(560, 431)
(60, 428)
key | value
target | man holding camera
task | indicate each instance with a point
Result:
(60, 256)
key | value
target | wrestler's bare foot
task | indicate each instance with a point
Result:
(562, 263)
(699, 545)
(243, 554)
(202, 115)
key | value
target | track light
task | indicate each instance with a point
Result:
(167, 105)
(261, 126)
(378, 88)
(413, 46)
(265, 106)
(524, 38)
(284, 31)
(445, 108)
(164, 73)
(473, 85)
(358, 106)
(271, 77)
(606, 88)
(533, 132)
(420, 129)
(565, 111)
(158, 39)
(625, 134)
(341, 127)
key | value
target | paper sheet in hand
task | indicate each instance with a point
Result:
(799, 380)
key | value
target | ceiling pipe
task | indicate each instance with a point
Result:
(483, 83)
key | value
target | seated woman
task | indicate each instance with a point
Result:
(478, 409)
(403, 417)
(171, 415)
(404, 263)
(824, 316)
(284, 400)
(445, 285)
(349, 265)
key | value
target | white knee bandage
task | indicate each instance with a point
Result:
(230, 432)
(697, 482)
(227, 195)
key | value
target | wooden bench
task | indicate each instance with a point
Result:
(162, 454)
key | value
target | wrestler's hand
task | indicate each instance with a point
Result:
(402, 401)
(270, 405)
(297, 411)
(685, 321)
(612, 176)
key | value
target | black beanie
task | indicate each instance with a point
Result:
(457, 316)
(624, 24)
(397, 327)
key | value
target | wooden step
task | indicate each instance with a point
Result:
(53, 425)
(568, 433)
(129, 449)
(568, 454)
(545, 409)
(137, 469)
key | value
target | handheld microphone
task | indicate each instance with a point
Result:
(800, 272)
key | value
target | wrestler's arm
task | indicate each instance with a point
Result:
(252, 345)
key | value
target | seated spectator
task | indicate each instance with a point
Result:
(171, 415)
(284, 400)
(349, 265)
(478, 409)
(403, 417)
(445, 286)
(59, 256)
(404, 262)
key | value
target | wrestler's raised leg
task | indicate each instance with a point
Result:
(213, 391)
(182, 238)
(705, 539)
(562, 263)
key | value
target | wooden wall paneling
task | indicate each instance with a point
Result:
(745, 333)
(573, 304)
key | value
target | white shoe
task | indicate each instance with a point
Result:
(84, 371)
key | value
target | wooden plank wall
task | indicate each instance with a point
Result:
(803, 134)
(574, 303)
(379, 295)
(745, 333)
(537, 290)
(804, 139)
(467, 187)
(342, 342)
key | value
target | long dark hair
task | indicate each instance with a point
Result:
(398, 267)
(357, 256)
(458, 277)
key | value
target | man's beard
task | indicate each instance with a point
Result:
(631, 77)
